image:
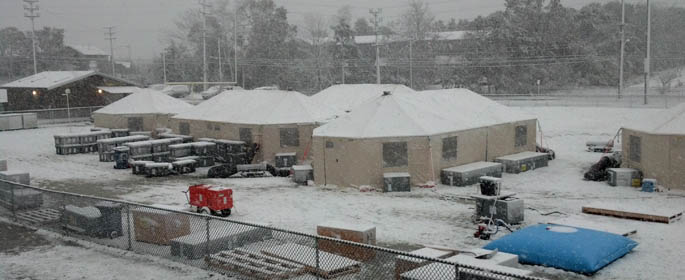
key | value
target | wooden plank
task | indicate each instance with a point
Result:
(255, 264)
(329, 266)
(633, 215)
(40, 216)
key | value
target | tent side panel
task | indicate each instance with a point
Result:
(470, 148)
(350, 162)
(501, 139)
(676, 173)
(271, 141)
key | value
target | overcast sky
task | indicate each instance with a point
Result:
(141, 23)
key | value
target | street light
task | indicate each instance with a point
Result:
(66, 93)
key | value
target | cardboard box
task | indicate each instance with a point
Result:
(365, 234)
(159, 227)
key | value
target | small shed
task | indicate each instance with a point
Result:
(656, 146)
(144, 110)
(46, 90)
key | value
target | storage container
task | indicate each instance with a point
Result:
(469, 174)
(523, 162)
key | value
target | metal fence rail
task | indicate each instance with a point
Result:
(60, 115)
(235, 248)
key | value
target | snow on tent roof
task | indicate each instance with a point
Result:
(146, 101)
(425, 113)
(53, 79)
(88, 50)
(346, 97)
(260, 107)
(126, 89)
(671, 121)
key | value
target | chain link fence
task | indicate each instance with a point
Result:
(238, 249)
(60, 115)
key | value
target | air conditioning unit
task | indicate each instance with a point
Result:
(396, 182)
(624, 177)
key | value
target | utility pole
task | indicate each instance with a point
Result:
(342, 59)
(218, 45)
(204, 5)
(375, 13)
(164, 65)
(31, 12)
(110, 37)
(235, 45)
(649, 43)
(623, 45)
(411, 65)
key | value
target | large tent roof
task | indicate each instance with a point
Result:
(261, 107)
(346, 97)
(420, 114)
(53, 79)
(671, 121)
(146, 101)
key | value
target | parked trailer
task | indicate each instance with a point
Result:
(210, 199)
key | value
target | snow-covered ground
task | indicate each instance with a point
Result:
(67, 258)
(437, 216)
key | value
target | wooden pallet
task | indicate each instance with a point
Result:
(40, 216)
(255, 265)
(666, 219)
(330, 265)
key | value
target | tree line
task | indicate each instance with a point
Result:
(507, 51)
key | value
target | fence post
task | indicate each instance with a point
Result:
(64, 211)
(128, 225)
(12, 202)
(207, 244)
(316, 256)
(456, 271)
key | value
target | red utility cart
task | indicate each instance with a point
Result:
(213, 199)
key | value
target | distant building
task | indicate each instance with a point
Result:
(87, 57)
(45, 90)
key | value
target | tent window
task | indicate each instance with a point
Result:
(216, 127)
(245, 134)
(521, 138)
(395, 154)
(449, 148)
(135, 124)
(635, 148)
(209, 126)
(184, 128)
(329, 144)
(290, 137)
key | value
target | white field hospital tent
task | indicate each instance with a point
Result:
(419, 133)
(143, 110)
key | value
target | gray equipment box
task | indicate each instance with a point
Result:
(628, 177)
(285, 160)
(18, 197)
(119, 132)
(184, 138)
(203, 149)
(103, 220)
(184, 166)
(138, 167)
(396, 182)
(469, 174)
(181, 150)
(206, 161)
(195, 245)
(11, 121)
(523, 162)
(158, 169)
(509, 209)
(302, 173)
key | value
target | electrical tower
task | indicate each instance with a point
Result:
(376, 19)
(31, 12)
(110, 37)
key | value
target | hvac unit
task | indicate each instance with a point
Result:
(624, 177)
(509, 209)
(490, 186)
(285, 160)
(523, 162)
(469, 174)
(396, 182)
(302, 173)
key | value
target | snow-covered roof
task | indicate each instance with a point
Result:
(671, 121)
(53, 79)
(125, 89)
(261, 107)
(440, 36)
(420, 114)
(146, 101)
(346, 97)
(87, 50)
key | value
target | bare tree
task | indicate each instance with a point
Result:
(417, 21)
(666, 77)
(317, 32)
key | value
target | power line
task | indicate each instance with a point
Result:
(31, 12)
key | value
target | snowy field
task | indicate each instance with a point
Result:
(438, 216)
